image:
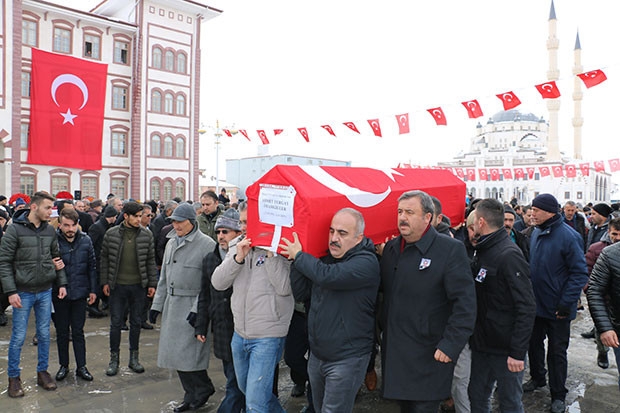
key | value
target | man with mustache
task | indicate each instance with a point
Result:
(429, 308)
(342, 289)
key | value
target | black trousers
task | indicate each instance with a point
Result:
(121, 296)
(558, 334)
(197, 385)
(70, 313)
(410, 406)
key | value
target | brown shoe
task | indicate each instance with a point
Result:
(371, 380)
(15, 387)
(45, 380)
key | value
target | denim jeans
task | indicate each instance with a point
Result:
(255, 361)
(70, 313)
(335, 383)
(234, 400)
(121, 296)
(42, 304)
(486, 369)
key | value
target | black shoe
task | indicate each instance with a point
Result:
(124, 327)
(62, 373)
(298, 390)
(588, 334)
(146, 326)
(35, 340)
(532, 385)
(558, 406)
(602, 360)
(182, 407)
(84, 373)
(94, 312)
(199, 403)
(3, 319)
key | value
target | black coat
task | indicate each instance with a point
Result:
(96, 233)
(80, 265)
(214, 306)
(429, 304)
(343, 295)
(604, 290)
(506, 307)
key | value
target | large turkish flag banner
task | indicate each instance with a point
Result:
(303, 199)
(66, 116)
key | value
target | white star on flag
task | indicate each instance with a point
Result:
(68, 117)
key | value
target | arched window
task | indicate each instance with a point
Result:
(180, 148)
(168, 147)
(155, 189)
(167, 190)
(181, 105)
(179, 189)
(182, 63)
(156, 145)
(169, 60)
(156, 101)
(157, 57)
(169, 103)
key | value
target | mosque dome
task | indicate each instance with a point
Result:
(514, 115)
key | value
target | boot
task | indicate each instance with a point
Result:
(134, 364)
(15, 387)
(45, 380)
(113, 366)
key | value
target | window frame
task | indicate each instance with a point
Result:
(30, 18)
(64, 26)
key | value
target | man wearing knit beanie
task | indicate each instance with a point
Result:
(558, 272)
(601, 215)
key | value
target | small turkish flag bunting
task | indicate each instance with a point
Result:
(530, 172)
(227, 132)
(244, 133)
(614, 165)
(328, 129)
(471, 174)
(473, 109)
(483, 174)
(276, 132)
(376, 128)
(544, 171)
(263, 137)
(459, 172)
(558, 172)
(509, 100)
(519, 174)
(304, 133)
(585, 168)
(351, 126)
(592, 78)
(403, 123)
(548, 90)
(507, 172)
(437, 114)
(494, 174)
(599, 166)
(571, 171)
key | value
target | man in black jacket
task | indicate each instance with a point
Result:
(604, 298)
(506, 312)
(518, 238)
(342, 287)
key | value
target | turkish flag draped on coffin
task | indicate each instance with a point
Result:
(66, 116)
(303, 199)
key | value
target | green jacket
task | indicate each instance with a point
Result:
(111, 253)
(206, 225)
(26, 254)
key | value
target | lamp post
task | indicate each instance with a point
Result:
(218, 135)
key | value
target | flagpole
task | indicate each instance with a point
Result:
(218, 135)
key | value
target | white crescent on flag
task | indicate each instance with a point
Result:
(357, 197)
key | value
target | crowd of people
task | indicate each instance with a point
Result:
(454, 313)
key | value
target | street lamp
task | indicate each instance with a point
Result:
(218, 135)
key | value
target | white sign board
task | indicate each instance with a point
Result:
(276, 205)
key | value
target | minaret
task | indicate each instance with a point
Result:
(577, 97)
(553, 105)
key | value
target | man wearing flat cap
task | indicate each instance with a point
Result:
(558, 272)
(177, 292)
(601, 215)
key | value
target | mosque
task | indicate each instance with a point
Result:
(517, 155)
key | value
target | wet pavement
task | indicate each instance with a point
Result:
(591, 389)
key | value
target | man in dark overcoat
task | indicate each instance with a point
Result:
(429, 308)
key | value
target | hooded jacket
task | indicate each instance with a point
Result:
(343, 294)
